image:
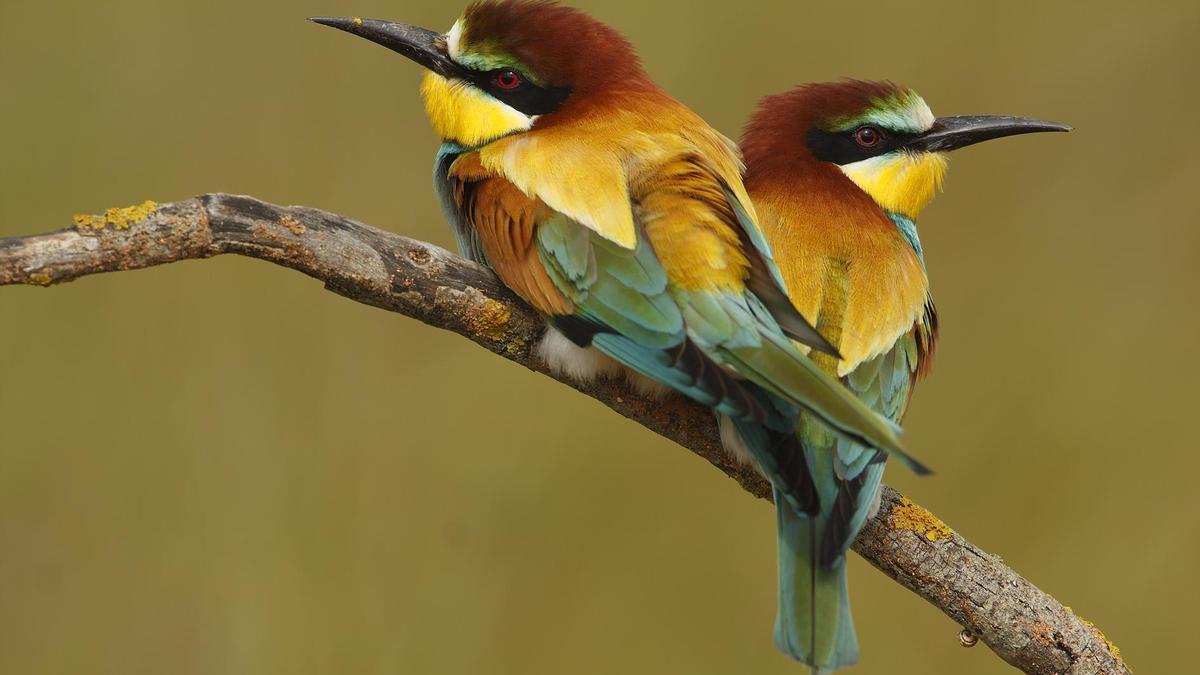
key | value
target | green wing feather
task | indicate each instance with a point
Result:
(766, 283)
(816, 526)
(887, 380)
(626, 309)
(691, 340)
(626, 292)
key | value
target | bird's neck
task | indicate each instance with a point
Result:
(850, 267)
(908, 229)
(786, 178)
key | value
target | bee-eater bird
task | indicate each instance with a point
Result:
(621, 216)
(839, 173)
(615, 211)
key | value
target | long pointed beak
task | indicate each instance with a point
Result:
(952, 133)
(423, 46)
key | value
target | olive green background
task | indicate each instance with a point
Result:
(217, 467)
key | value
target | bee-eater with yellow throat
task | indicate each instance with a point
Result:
(839, 173)
(617, 213)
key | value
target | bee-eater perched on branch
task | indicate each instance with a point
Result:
(839, 173)
(615, 211)
(622, 217)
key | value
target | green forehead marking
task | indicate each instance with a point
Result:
(903, 111)
(479, 57)
(488, 54)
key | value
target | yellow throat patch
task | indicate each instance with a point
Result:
(467, 116)
(900, 182)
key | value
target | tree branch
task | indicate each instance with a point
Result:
(1022, 624)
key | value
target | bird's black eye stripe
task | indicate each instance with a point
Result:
(844, 147)
(526, 96)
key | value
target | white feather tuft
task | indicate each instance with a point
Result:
(580, 364)
(454, 40)
(876, 503)
(732, 441)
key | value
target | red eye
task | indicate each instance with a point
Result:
(508, 79)
(868, 137)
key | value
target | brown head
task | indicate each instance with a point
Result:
(880, 135)
(777, 133)
(557, 45)
(506, 64)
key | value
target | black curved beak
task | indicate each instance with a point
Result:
(952, 133)
(423, 46)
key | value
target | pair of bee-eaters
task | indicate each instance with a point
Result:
(631, 224)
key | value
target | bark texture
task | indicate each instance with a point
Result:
(1022, 624)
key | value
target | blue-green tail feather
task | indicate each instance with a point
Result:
(821, 504)
(813, 623)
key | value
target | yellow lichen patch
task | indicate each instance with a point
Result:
(120, 218)
(515, 347)
(1112, 649)
(86, 222)
(358, 21)
(490, 320)
(41, 279)
(908, 516)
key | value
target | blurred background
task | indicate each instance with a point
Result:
(217, 467)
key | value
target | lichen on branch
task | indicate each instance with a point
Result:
(119, 217)
(1022, 624)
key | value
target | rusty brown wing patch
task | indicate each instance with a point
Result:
(505, 220)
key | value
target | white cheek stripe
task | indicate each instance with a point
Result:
(867, 167)
(454, 40)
